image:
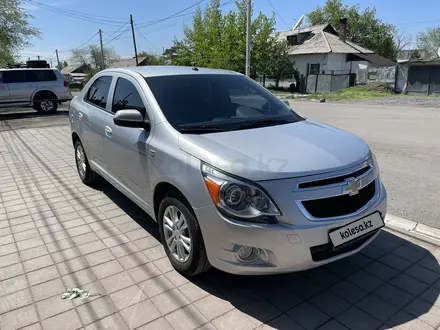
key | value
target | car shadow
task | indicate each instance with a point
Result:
(22, 113)
(391, 282)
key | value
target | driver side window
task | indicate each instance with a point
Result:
(126, 96)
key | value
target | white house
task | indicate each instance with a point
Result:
(321, 50)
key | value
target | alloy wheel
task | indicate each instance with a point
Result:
(81, 161)
(176, 233)
(46, 105)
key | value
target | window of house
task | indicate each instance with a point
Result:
(292, 40)
(314, 68)
(98, 92)
(127, 97)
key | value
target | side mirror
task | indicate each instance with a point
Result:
(286, 102)
(130, 118)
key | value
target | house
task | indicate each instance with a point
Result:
(127, 62)
(75, 74)
(326, 58)
(418, 76)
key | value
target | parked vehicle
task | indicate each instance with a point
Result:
(43, 88)
(233, 176)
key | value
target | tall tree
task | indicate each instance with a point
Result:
(218, 40)
(15, 30)
(91, 56)
(281, 66)
(364, 28)
(429, 41)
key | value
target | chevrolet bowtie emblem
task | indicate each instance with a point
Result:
(353, 186)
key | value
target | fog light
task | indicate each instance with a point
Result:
(248, 254)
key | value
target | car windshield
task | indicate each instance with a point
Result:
(204, 103)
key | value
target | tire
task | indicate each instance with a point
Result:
(85, 172)
(45, 102)
(197, 261)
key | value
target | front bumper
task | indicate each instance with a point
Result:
(287, 246)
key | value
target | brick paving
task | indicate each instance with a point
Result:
(57, 233)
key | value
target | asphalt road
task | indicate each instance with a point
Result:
(407, 144)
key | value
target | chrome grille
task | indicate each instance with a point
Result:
(338, 196)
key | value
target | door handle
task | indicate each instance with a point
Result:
(80, 116)
(108, 131)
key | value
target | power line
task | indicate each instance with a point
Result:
(114, 32)
(171, 16)
(86, 41)
(148, 41)
(83, 17)
(276, 12)
(118, 36)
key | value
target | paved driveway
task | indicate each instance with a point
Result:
(406, 142)
(56, 233)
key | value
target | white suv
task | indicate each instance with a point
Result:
(43, 88)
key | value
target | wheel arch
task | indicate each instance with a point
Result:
(161, 190)
(42, 92)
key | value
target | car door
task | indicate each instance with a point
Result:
(126, 148)
(22, 84)
(4, 91)
(92, 115)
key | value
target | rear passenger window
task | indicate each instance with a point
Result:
(98, 92)
(45, 75)
(126, 96)
(14, 76)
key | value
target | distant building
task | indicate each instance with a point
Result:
(75, 74)
(321, 50)
(128, 62)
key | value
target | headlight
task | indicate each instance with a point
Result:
(237, 198)
(375, 164)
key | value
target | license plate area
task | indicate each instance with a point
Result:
(356, 229)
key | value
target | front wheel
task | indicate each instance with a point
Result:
(86, 174)
(181, 236)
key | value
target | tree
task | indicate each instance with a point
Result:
(91, 56)
(281, 66)
(152, 59)
(62, 65)
(219, 41)
(15, 30)
(429, 41)
(364, 28)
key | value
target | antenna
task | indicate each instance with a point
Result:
(298, 24)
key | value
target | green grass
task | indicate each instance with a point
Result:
(75, 89)
(361, 92)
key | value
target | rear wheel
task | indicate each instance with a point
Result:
(86, 174)
(45, 102)
(181, 236)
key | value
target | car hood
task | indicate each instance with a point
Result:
(276, 152)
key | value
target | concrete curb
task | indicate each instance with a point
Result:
(413, 229)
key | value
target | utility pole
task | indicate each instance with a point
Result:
(248, 38)
(38, 56)
(134, 40)
(102, 50)
(58, 59)
(51, 65)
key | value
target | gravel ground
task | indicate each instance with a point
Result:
(415, 101)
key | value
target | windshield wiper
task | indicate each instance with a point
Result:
(266, 122)
(202, 129)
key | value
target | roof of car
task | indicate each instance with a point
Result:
(154, 71)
